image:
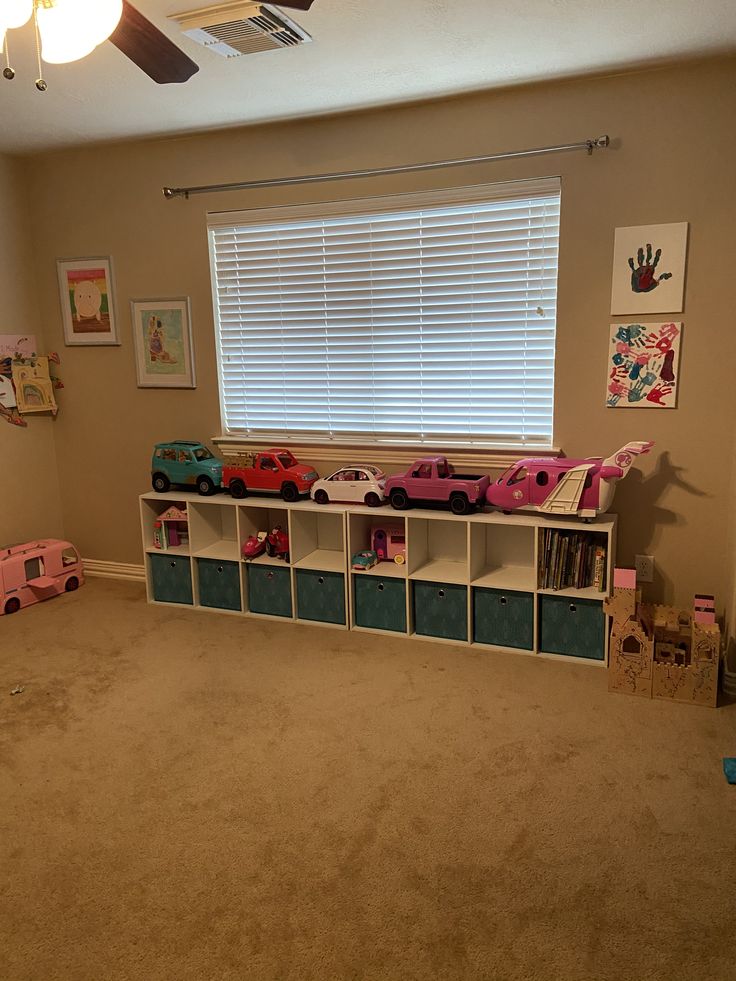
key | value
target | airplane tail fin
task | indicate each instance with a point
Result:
(625, 456)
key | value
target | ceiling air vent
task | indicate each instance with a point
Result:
(245, 27)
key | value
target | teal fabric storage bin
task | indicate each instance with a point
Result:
(440, 610)
(572, 626)
(171, 579)
(219, 584)
(320, 596)
(269, 590)
(503, 618)
(380, 603)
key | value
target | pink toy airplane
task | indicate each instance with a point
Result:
(560, 486)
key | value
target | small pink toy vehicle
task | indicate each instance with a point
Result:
(37, 571)
(389, 543)
(557, 485)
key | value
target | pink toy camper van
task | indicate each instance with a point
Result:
(37, 571)
(389, 543)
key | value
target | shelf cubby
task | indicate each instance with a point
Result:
(437, 549)
(151, 511)
(359, 540)
(502, 556)
(213, 531)
(317, 540)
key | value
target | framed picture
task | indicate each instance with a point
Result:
(87, 301)
(649, 269)
(643, 370)
(162, 334)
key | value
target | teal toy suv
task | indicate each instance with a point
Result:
(187, 464)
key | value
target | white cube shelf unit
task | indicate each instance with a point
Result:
(471, 580)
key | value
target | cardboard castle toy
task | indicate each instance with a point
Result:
(659, 651)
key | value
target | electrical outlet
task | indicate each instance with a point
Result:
(644, 568)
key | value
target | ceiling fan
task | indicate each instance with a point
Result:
(68, 30)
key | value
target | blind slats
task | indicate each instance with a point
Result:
(425, 323)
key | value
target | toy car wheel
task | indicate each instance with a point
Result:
(237, 489)
(459, 504)
(205, 486)
(13, 605)
(399, 500)
(373, 500)
(322, 497)
(160, 483)
(289, 492)
(270, 550)
(71, 584)
(399, 558)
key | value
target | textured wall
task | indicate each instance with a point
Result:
(672, 160)
(30, 506)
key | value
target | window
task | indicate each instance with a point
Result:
(417, 317)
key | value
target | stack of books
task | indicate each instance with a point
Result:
(572, 560)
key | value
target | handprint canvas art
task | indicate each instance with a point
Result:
(643, 366)
(649, 268)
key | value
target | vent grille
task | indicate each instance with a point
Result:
(234, 29)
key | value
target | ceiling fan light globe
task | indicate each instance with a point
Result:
(65, 34)
(101, 17)
(14, 13)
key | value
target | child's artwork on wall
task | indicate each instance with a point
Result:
(649, 268)
(643, 366)
(163, 343)
(34, 389)
(17, 345)
(87, 302)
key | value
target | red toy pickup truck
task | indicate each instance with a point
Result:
(273, 471)
(432, 479)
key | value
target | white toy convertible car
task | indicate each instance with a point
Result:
(361, 484)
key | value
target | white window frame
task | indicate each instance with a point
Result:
(325, 447)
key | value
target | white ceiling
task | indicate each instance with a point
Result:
(365, 53)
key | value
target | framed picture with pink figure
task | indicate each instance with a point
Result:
(87, 301)
(162, 335)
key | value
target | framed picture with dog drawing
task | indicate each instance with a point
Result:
(87, 301)
(162, 332)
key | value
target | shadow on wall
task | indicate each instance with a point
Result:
(640, 495)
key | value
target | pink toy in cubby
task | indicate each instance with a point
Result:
(389, 543)
(37, 571)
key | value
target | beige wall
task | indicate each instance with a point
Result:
(30, 506)
(672, 159)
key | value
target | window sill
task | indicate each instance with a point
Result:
(394, 452)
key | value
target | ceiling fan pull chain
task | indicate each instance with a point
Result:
(40, 83)
(8, 72)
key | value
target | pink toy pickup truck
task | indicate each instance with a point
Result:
(433, 480)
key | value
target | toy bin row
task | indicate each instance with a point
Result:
(553, 486)
(470, 581)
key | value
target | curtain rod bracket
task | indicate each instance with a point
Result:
(598, 143)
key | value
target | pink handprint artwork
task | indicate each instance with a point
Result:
(643, 366)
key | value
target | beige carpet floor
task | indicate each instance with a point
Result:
(195, 797)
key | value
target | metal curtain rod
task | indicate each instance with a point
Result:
(183, 192)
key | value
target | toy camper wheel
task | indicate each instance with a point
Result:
(399, 500)
(459, 504)
(399, 558)
(205, 486)
(289, 492)
(71, 584)
(160, 483)
(373, 500)
(322, 497)
(238, 489)
(13, 605)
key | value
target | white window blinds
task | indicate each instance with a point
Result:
(421, 318)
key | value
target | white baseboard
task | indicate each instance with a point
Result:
(114, 570)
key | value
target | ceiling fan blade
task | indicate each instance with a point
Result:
(295, 4)
(150, 49)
